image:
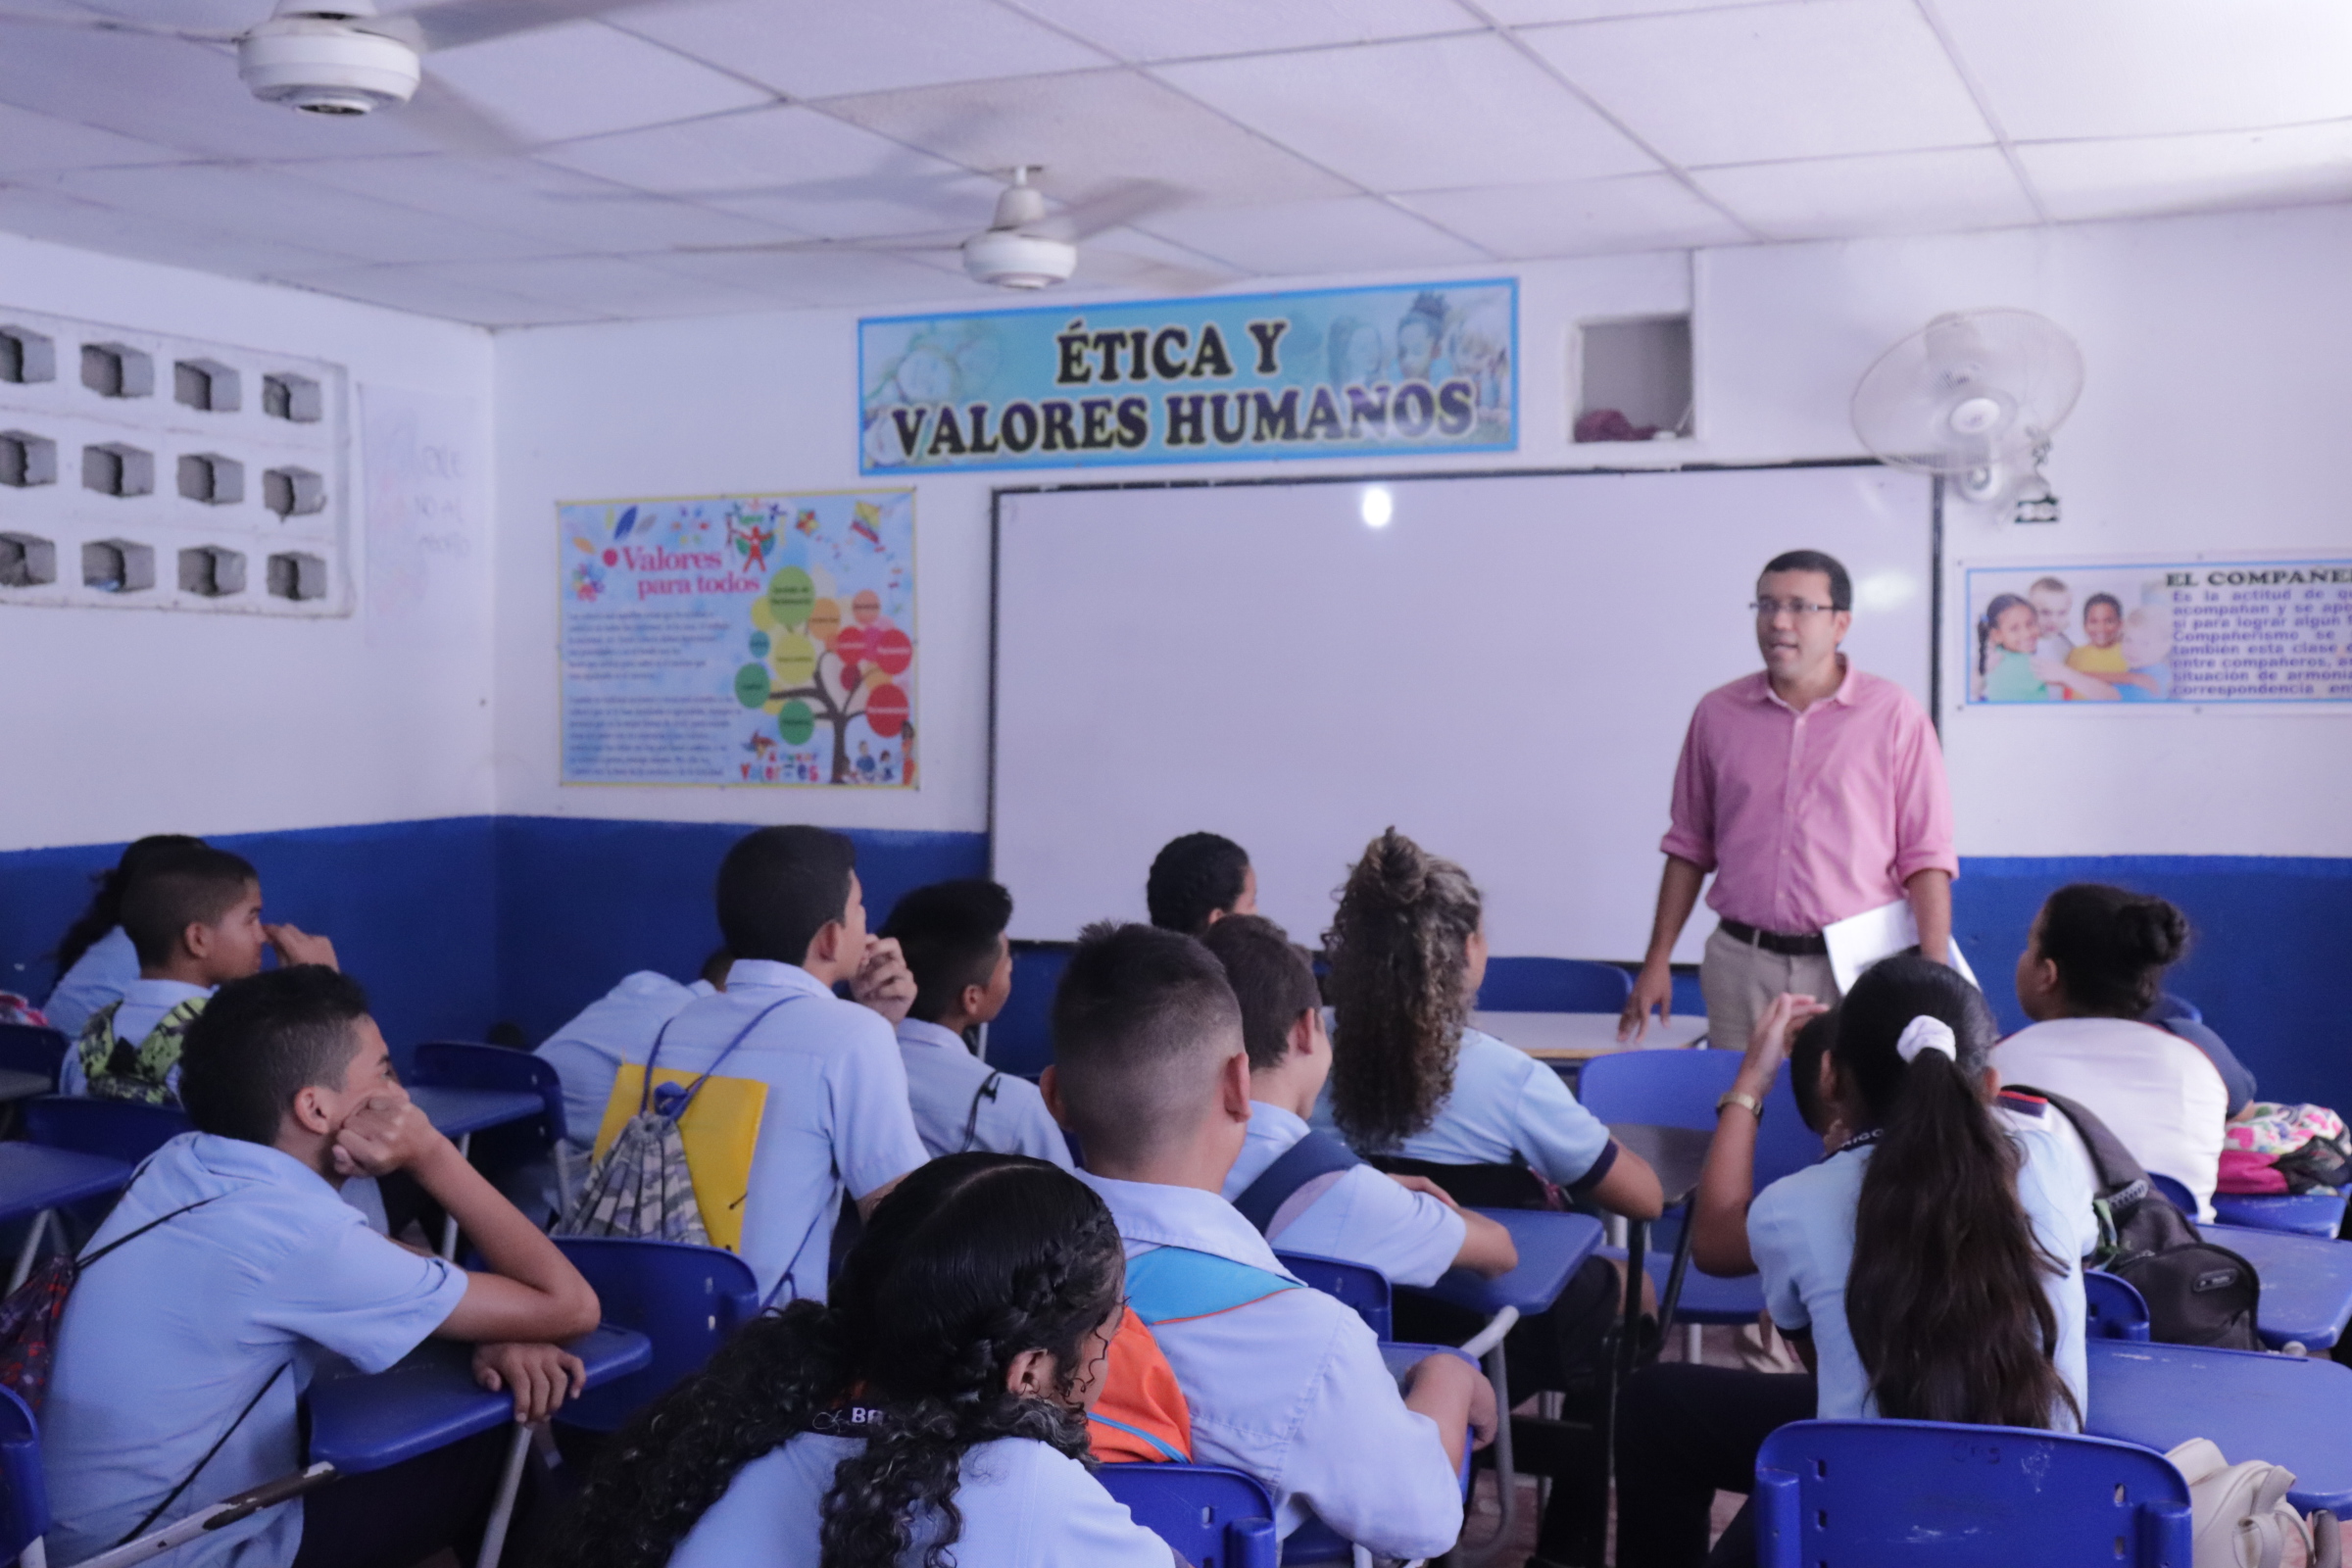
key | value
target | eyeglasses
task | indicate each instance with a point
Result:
(1769, 609)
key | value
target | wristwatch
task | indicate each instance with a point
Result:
(1734, 1097)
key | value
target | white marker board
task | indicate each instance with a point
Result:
(1503, 671)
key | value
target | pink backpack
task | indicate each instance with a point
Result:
(2274, 1148)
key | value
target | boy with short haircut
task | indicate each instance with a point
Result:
(240, 1264)
(818, 1078)
(1285, 1383)
(194, 915)
(1305, 1191)
(952, 937)
(1197, 880)
(2053, 612)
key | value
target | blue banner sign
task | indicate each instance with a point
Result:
(1327, 372)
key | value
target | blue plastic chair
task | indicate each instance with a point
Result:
(25, 1509)
(1364, 1289)
(1688, 1000)
(116, 1129)
(2116, 1308)
(1210, 1517)
(2297, 1214)
(2169, 1006)
(465, 1065)
(1020, 1039)
(1554, 985)
(2176, 1192)
(34, 1048)
(1869, 1493)
(686, 1299)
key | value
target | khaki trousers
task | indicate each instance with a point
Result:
(1740, 982)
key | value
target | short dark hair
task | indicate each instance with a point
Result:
(951, 934)
(1140, 1020)
(1193, 878)
(780, 886)
(1841, 586)
(193, 884)
(2109, 600)
(260, 1040)
(1272, 979)
(714, 967)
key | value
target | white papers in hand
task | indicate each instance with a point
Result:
(1862, 940)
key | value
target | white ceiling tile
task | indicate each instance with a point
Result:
(585, 80)
(871, 46)
(1581, 218)
(1765, 82)
(839, 277)
(1136, 31)
(609, 286)
(2180, 174)
(425, 291)
(568, 212)
(69, 220)
(2136, 67)
(1371, 113)
(1089, 131)
(1525, 13)
(1884, 193)
(36, 141)
(1345, 234)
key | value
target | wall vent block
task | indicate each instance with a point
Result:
(287, 395)
(207, 385)
(26, 356)
(118, 370)
(27, 560)
(295, 575)
(116, 469)
(116, 567)
(293, 492)
(211, 572)
(26, 459)
(211, 478)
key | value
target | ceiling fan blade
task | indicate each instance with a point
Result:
(904, 245)
(459, 123)
(886, 187)
(94, 23)
(1123, 202)
(451, 24)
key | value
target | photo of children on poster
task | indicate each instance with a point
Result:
(2201, 632)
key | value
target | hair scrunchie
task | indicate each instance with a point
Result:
(1925, 1032)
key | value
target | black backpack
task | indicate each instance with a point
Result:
(2197, 1292)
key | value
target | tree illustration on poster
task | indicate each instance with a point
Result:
(823, 669)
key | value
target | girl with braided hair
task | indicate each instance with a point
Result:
(934, 1413)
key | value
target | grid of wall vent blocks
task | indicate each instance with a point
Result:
(139, 470)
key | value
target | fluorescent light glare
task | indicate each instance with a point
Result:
(1379, 506)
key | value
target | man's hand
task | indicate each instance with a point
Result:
(1422, 1184)
(295, 945)
(1654, 988)
(541, 1377)
(883, 982)
(387, 1132)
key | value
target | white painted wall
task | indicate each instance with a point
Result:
(120, 722)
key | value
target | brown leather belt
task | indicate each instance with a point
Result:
(1810, 945)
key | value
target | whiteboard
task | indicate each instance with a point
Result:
(1503, 671)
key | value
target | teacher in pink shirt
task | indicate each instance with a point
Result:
(1813, 791)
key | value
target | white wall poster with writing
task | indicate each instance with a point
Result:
(425, 583)
(755, 639)
(2231, 631)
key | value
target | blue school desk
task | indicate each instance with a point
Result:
(35, 1181)
(362, 1422)
(2309, 1215)
(459, 1114)
(2284, 1409)
(2306, 1284)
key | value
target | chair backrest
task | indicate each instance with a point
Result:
(687, 1300)
(1210, 1517)
(1689, 1002)
(1680, 1088)
(118, 1128)
(1867, 1494)
(34, 1048)
(1364, 1289)
(2169, 1006)
(1554, 985)
(1020, 1039)
(2116, 1308)
(2175, 1193)
(25, 1508)
(1474, 1186)
(467, 1064)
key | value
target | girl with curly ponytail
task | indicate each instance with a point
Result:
(934, 1413)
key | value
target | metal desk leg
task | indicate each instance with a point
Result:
(449, 1223)
(1487, 1346)
(502, 1511)
(29, 1250)
(1637, 1245)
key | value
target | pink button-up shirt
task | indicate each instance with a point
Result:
(1807, 818)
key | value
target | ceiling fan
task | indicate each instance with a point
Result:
(1025, 245)
(346, 57)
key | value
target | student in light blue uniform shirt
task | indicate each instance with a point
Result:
(967, 1337)
(96, 961)
(1287, 1385)
(834, 1118)
(239, 1268)
(1403, 1226)
(588, 1050)
(951, 935)
(1924, 1184)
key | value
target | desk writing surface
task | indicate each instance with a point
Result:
(1580, 1036)
(2287, 1409)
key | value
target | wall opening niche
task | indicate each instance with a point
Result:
(116, 567)
(1633, 379)
(27, 560)
(26, 459)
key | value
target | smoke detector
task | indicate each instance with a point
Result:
(327, 62)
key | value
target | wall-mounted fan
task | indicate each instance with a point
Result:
(1972, 396)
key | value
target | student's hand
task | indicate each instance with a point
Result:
(883, 981)
(540, 1376)
(387, 1132)
(295, 945)
(1768, 1044)
(1422, 1184)
(1445, 1378)
(1653, 991)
